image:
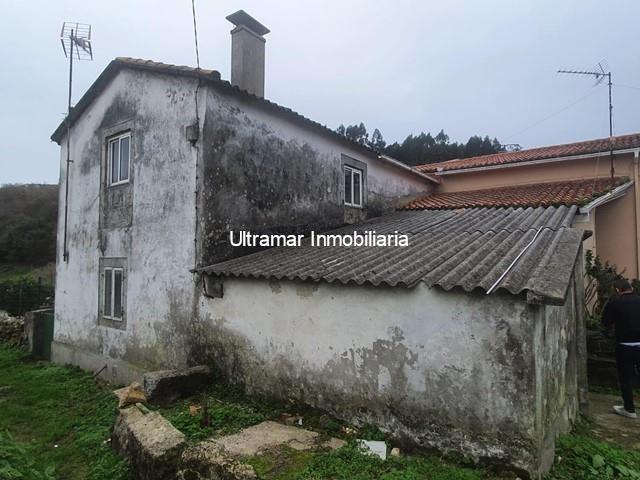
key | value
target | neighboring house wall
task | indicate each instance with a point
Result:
(147, 225)
(614, 224)
(488, 375)
(265, 172)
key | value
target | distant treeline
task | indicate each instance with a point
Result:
(422, 148)
(28, 218)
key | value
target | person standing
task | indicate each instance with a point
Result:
(623, 314)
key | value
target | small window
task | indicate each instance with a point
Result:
(112, 304)
(119, 155)
(352, 186)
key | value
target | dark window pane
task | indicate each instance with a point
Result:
(117, 293)
(107, 293)
(347, 186)
(115, 160)
(357, 177)
(124, 158)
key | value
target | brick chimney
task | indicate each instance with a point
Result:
(247, 52)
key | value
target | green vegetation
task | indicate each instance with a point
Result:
(59, 421)
(55, 424)
(17, 461)
(599, 287)
(583, 457)
(28, 215)
(18, 296)
(422, 148)
(210, 417)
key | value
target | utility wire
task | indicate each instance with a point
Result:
(548, 117)
(626, 86)
(196, 193)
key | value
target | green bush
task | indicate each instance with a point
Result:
(17, 461)
(18, 296)
(599, 278)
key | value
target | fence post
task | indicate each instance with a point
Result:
(20, 297)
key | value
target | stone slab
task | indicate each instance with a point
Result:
(208, 460)
(152, 445)
(268, 435)
(166, 386)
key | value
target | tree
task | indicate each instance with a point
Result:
(423, 147)
(377, 141)
(28, 215)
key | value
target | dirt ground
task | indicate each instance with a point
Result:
(611, 427)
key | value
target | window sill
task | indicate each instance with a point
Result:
(118, 184)
(118, 324)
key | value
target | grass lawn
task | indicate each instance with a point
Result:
(58, 420)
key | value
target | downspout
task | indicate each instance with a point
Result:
(636, 160)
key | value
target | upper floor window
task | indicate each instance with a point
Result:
(352, 186)
(119, 155)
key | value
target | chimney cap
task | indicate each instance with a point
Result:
(243, 18)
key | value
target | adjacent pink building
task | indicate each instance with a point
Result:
(599, 175)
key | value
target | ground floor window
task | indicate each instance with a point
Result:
(112, 301)
(112, 289)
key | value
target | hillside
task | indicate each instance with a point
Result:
(28, 218)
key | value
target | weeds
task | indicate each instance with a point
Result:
(59, 417)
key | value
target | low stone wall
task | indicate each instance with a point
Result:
(11, 329)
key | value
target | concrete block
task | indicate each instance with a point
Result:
(152, 445)
(166, 386)
(208, 460)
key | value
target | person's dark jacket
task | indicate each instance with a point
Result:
(623, 313)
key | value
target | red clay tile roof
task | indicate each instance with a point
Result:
(571, 192)
(600, 145)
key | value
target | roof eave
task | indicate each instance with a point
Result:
(213, 77)
(454, 171)
(617, 192)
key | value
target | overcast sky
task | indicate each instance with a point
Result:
(468, 67)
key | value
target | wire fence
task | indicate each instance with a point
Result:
(19, 296)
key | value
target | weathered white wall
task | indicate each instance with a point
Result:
(450, 370)
(159, 243)
(264, 171)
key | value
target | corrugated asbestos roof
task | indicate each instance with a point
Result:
(566, 192)
(212, 77)
(596, 146)
(449, 248)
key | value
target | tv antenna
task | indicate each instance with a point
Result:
(600, 74)
(76, 44)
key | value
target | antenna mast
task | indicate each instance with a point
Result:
(76, 43)
(599, 73)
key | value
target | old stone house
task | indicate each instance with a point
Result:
(468, 339)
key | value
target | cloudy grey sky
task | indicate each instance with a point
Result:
(470, 67)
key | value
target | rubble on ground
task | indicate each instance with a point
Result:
(130, 395)
(11, 329)
(166, 386)
(152, 445)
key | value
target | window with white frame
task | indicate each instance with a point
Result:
(112, 293)
(119, 155)
(352, 186)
